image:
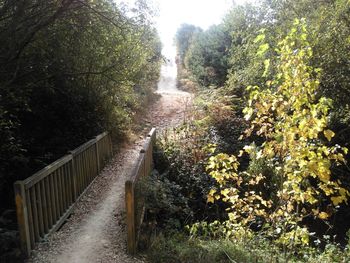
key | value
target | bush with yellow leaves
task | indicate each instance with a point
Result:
(292, 118)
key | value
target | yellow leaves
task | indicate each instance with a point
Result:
(212, 192)
(295, 159)
(248, 149)
(225, 192)
(342, 197)
(210, 199)
(267, 67)
(222, 167)
(336, 200)
(259, 38)
(248, 113)
(328, 134)
(262, 49)
(323, 215)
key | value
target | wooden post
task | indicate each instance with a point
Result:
(130, 217)
(153, 135)
(110, 145)
(97, 157)
(22, 217)
(74, 174)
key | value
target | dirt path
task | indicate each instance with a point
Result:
(96, 230)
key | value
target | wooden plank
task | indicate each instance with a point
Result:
(152, 134)
(49, 201)
(22, 216)
(80, 170)
(138, 166)
(64, 188)
(77, 176)
(66, 185)
(88, 167)
(134, 201)
(60, 221)
(94, 161)
(130, 217)
(52, 191)
(87, 164)
(100, 153)
(101, 136)
(84, 170)
(70, 185)
(54, 199)
(146, 144)
(30, 219)
(40, 210)
(97, 154)
(32, 180)
(35, 213)
(63, 206)
(83, 147)
(59, 192)
(74, 178)
(110, 146)
(90, 163)
(104, 151)
(44, 206)
(68, 189)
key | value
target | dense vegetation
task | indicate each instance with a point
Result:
(262, 175)
(69, 70)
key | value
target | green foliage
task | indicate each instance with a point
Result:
(67, 72)
(244, 24)
(293, 122)
(184, 37)
(181, 248)
(166, 206)
(206, 57)
(180, 165)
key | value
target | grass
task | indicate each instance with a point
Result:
(181, 249)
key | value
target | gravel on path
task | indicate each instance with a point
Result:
(95, 232)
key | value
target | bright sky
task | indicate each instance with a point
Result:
(203, 13)
(172, 13)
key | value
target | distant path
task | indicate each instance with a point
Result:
(171, 109)
(96, 230)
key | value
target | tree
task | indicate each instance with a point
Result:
(69, 69)
(207, 56)
(292, 118)
(184, 37)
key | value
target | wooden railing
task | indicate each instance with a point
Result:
(134, 199)
(45, 200)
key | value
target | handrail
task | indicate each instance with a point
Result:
(134, 202)
(40, 175)
(45, 199)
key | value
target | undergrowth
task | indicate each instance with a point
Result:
(181, 248)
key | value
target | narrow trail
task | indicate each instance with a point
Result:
(95, 232)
